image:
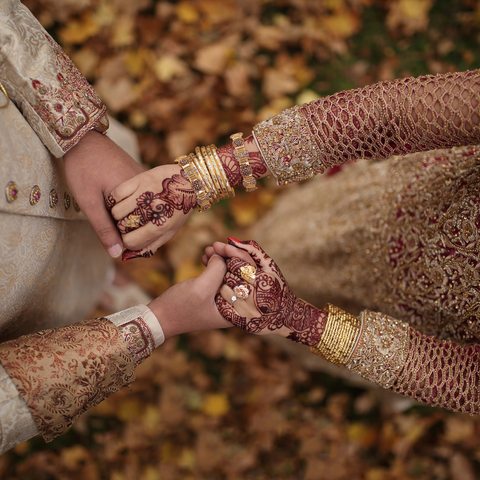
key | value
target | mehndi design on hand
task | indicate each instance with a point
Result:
(271, 306)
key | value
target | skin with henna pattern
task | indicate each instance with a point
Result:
(232, 168)
(271, 307)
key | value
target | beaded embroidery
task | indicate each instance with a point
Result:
(381, 349)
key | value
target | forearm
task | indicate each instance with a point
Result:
(50, 378)
(388, 118)
(395, 356)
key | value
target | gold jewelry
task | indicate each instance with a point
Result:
(248, 273)
(204, 201)
(212, 165)
(6, 95)
(205, 176)
(213, 151)
(339, 337)
(241, 154)
(202, 156)
(242, 291)
(133, 221)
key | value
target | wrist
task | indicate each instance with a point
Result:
(306, 323)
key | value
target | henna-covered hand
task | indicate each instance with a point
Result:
(150, 209)
(232, 168)
(271, 306)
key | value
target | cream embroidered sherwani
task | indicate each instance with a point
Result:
(51, 264)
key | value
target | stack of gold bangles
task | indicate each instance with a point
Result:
(205, 172)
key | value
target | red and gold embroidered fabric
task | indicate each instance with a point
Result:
(388, 118)
(41, 80)
(61, 373)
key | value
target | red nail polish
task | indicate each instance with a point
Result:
(232, 240)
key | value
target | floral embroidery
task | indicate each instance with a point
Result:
(381, 349)
(61, 373)
(70, 110)
(139, 339)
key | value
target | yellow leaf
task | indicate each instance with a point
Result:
(74, 456)
(86, 61)
(216, 405)
(151, 417)
(307, 96)
(129, 409)
(186, 12)
(213, 58)
(342, 24)
(169, 66)
(21, 448)
(123, 32)
(135, 61)
(150, 473)
(187, 269)
(277, 83)
(362, 434)
(104, 14)
(187, 459)
(415, 8)
(77, 31)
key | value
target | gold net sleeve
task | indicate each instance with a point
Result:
(388, 118)
(393, 355)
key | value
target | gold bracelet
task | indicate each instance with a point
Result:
(339, 337)
(202, 158)
(205, 175)
(213, 173)
(241, 154)
(213, 149)
(203, 196)
(221, 178)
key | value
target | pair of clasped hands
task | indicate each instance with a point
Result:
(142, 210)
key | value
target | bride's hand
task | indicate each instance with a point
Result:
(150, 208)
(256, 297)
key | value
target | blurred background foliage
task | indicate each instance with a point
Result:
(225, 405)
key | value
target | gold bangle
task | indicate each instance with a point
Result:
(211, 162)
(203, 155)
(241, 154)
(207, 179)
(203, 197)
(213, 149)
(339, 337)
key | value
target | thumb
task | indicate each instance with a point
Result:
(102, 223)
(212, 276)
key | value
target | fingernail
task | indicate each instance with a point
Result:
(115, 251)
(232, 241)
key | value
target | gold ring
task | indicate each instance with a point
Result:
(241, 291)
(248, 273)
(133, 221)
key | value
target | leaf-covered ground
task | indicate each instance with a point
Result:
(222, 404)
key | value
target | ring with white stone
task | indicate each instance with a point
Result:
(234, 299)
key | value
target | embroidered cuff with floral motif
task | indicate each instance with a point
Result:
(63, 372)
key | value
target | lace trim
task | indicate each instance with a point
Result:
(381, 350)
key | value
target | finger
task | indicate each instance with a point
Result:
(205, 260)
(212, 277)
(125, 207)
(126, 189)
(101, 221)
(232, 280)
(146, 252)
(127, 224)
(254, 250)
(236, 266)
(143, 237)
(229, 313)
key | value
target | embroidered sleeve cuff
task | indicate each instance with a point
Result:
(40, 78)
(136, 332)
(381, 350)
